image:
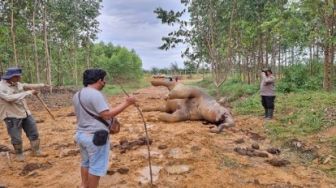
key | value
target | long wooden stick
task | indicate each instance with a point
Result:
(45, 106)
(147, 139)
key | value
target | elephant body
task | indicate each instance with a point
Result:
(191, 103)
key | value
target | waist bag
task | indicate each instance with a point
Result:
(100, 137)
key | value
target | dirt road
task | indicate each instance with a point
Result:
(184, 154)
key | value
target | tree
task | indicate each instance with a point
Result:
(210, 36)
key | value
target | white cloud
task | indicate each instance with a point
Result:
(133, 24)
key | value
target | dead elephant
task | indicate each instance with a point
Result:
(191, 103)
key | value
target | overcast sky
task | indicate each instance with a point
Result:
(133, 24)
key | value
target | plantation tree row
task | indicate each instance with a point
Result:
(242, 36)
(53, 41)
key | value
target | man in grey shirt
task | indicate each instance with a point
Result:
(267, 92)
(94, 159)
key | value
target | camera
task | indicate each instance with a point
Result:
(266, 70)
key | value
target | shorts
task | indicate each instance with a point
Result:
(94, 158)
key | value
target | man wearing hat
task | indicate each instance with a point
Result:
(14, 111)
(267, 92)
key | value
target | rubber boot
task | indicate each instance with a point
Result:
(18, 152)
(270, 113)
(35, 147)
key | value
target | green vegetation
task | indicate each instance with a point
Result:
(120, 63)
(233, 89)
(246, 35)
(129, 87)
(301, 77)
(55, 41)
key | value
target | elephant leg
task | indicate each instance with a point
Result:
(177, 116)
(184, 92)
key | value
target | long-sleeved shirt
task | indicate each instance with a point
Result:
(12, 99)
(267, 87)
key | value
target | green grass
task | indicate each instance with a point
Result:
(231, 89)
(300, 113)
(115, 89)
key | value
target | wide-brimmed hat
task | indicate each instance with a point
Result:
(11, 72)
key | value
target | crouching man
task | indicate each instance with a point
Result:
(15, 113)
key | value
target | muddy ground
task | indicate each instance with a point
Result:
(183, 154)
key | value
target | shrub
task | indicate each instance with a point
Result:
(300, 77)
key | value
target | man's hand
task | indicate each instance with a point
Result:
(130, 100)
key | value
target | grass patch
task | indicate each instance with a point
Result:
(227, 162)
(330, 171)
(115, 89)
(300, 113)
(231, 89)
(248, 106)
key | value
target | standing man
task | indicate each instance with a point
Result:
(14, 111)
(267, 92)
(94, 158)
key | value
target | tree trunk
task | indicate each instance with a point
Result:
(311, 59)
(46, 48)
(310, 53)
(292, 50)
(88, 57)
(37, 71)
(317, 52)
(13, 36)
(59, 65)
(248, 67)
(279, 61)
(260, 53)
(327, 81)
(27, 63)
(75, 71)
(273, 57)
(328, 47)
(1, 68)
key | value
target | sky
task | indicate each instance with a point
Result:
(133, 24)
